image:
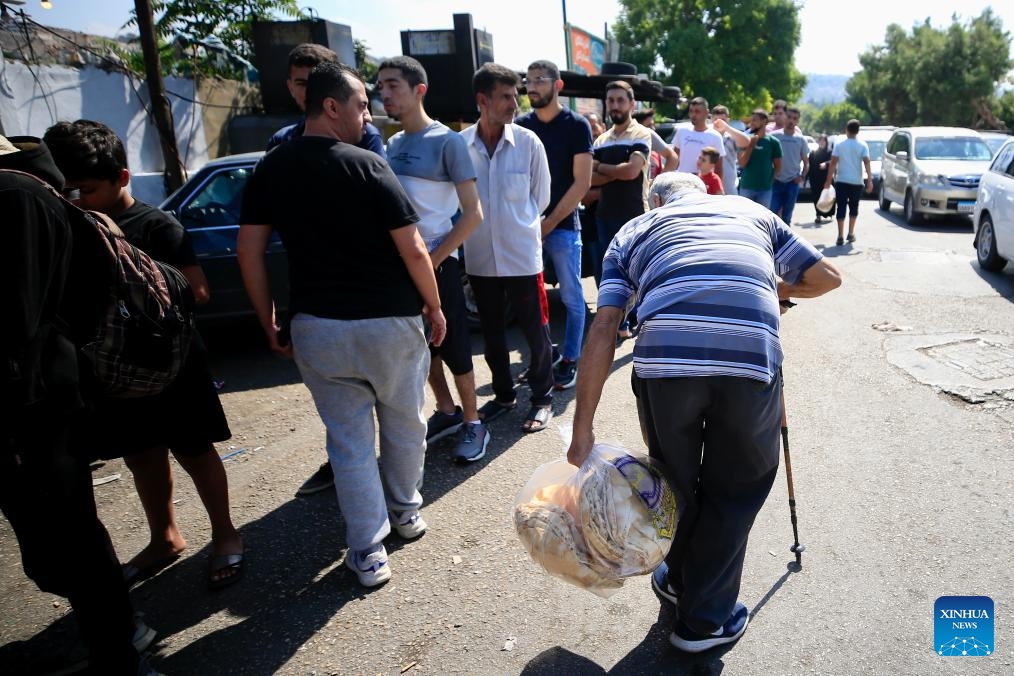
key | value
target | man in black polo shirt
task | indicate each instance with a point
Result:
(568, 142)
(359, 276)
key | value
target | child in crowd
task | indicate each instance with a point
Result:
(187, 418)
(706, 163)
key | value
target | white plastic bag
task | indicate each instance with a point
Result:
(594, 526)
(826, 199)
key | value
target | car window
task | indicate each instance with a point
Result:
(943, 148)
(217, 202)
(898, 143)
(1003, 163)
(876, 149)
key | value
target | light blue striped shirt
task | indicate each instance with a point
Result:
(701, 271)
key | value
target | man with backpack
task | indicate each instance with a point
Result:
(56, 282)
(186, 417)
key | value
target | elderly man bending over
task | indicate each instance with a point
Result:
(707, 274)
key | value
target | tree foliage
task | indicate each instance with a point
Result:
(934, 76)
(229, 20)
(830, 119)
(739, 53)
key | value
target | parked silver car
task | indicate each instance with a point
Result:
(932, 171)
(994, 212)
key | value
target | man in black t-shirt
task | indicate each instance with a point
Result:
(568, 142)
(359, 276)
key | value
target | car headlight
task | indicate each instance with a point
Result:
(930, 179)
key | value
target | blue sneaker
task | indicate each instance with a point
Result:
(660, 584)
(473, 442)
(369, 565)
(440, 425)
(688, 640)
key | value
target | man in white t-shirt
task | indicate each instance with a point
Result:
(688, 143)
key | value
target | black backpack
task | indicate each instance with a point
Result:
(142, 341)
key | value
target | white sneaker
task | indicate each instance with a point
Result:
(409, 525)
(370, 566)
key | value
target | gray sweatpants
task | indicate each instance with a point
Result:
(353, 368)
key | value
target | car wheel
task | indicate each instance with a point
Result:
(985, 248)
(885, 204)
(912, 217)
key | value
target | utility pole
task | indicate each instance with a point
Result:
(173, 176)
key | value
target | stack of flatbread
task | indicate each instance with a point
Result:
(613, 519)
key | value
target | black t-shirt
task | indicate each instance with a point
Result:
(334, 206)
(566, 135)
(157, 234)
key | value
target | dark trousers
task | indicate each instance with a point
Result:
(718, 439)
(46, 494)
(523, 294)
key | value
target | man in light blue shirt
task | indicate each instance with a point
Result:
(503, 256)
(848, 159)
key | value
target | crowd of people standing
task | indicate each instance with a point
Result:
(377, 244)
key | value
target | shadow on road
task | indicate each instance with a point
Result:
(1002, 281)
(653, 655)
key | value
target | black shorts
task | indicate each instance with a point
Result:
(456, 350)
(187, 416)
(847, 194)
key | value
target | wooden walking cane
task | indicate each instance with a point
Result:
(796, 548)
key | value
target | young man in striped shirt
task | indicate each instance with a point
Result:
(708, 274)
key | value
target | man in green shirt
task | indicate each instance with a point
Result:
(761, 159)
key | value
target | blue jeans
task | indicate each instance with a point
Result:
(606, 230)
(563, 247)
(783, 199)
(761, 197)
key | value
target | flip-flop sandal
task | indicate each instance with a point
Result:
(493, 409)
(225, 562)
(537, 414)
(133, 574)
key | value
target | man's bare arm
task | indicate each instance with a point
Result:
(624, 171)
(596, 361)
(471, 217)
(817, 280)
(582, 167)
(251, 243)
(420, 267)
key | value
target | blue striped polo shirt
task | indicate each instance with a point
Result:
(701, 271)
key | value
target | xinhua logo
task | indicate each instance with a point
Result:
(963, 626)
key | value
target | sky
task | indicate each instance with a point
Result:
(833, 34)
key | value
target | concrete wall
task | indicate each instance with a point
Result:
(34, 97)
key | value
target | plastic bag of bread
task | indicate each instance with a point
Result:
(594, 526)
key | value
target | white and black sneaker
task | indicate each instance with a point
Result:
(660, 584)
(688, 640)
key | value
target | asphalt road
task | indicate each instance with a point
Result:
(900, 398)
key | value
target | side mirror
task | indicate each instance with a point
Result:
(902, 155)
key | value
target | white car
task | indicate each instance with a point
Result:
(993, 218)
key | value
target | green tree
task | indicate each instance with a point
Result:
(739, 53)
(366, 67)
(932, 76)
(231, 21)
(831, 119)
